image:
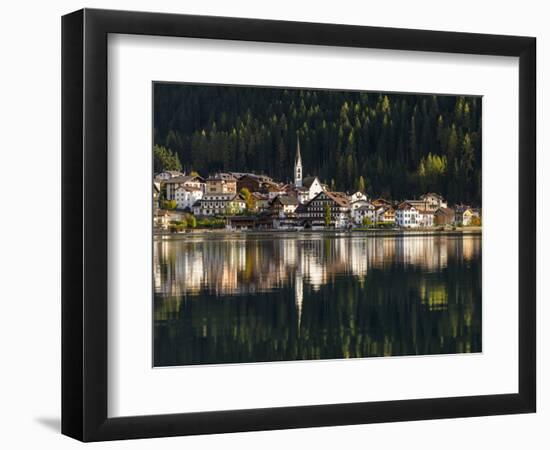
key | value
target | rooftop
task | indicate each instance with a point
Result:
(183, 179)
(223, 176)
(460, 209)
(432, 194)
(286, 200)
(308, 181)
(446, 211)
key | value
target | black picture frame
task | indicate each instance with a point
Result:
(84, 224)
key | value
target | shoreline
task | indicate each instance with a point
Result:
(373, 233)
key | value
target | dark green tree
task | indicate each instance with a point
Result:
(164, 159)
(328, 215)
(344, 135)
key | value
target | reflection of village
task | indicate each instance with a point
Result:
(247, 264)
(244, 201)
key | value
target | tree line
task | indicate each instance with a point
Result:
(395, 145)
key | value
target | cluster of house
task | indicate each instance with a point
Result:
(305, 203)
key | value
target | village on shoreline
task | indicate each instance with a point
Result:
(248, 201)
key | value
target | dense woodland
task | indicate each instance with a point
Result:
(395, 145)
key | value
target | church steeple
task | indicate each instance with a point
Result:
(298, 165)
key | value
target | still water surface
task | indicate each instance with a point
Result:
(287, 296)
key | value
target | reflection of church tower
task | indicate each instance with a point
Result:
(299, 295)
(298, 166)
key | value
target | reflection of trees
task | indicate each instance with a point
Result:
(321, 298)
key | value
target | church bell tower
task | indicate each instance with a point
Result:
(298, 166)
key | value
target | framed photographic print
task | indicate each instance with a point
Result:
(274, 224)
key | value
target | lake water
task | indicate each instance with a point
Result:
(235, 298)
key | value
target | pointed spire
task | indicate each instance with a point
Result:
(298, 155)
(298, 164)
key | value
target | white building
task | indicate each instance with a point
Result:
(221, 183)
(219, 205)
(385, 214)
(162, 218)
(433, 201)
(463, 215)
(168, 175)
(186, 197)
(406, 216)
(188, 181)
(284, 205)
(311, 187)
(361, 209)
(355, 204)
(426, 218)
(312, 214)
(357, 196)
(410, 216)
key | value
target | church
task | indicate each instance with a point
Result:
(306, 188)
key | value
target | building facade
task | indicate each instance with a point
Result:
(219, 205)
(358, 215)
(463, 215)
(311, 187)
(314, 213)
(444, 216)
(385, 215)
(406, 216)
(251, 181)
(189, 181)
(261, 201)
(357, 196)
(168, 175)
(283, 205)
(273, 190)
(433, 201)
(186, 196)
(221, 184)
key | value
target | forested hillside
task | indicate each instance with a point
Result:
(396, 145)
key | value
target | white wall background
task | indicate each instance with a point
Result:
(30, 237)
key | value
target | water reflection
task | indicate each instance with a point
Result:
(321, 296)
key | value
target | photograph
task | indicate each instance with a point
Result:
(311, 224)
(266, 225)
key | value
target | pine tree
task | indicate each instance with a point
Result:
(327, 215)
(361, 187)
(164, 159)
(413, 143)
(382, 137)
(452, 143)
